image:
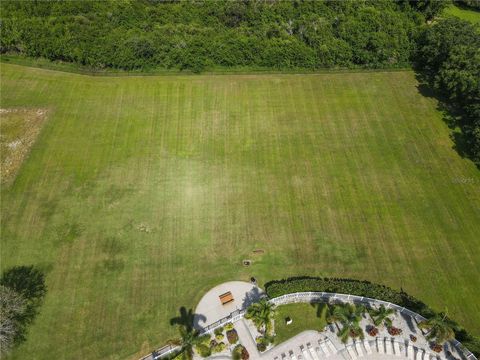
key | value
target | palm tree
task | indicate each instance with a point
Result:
(349, 316)
(439, 327)
(382, 316)
(332, 315)
(189, 338)
(261, 313)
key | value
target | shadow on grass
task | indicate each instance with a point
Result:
(251, 297)
(452, 116)
(188, 319)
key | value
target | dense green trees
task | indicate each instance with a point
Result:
(195, 35)
(448, 55)
(22, 289)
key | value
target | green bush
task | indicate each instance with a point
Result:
(365, 288)
(219, 337)
(218, 331)
(261, 347)
(203, 350)
(219, 347)
(195, 35)
(205, 340)
(232, 336)
(237, 352)
(228, 326)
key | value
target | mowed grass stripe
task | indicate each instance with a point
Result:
(142, 193)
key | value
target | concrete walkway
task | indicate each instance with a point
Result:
(246, 339)
(210, 309)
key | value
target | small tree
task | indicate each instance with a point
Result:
(332, 315)
(261, 313)
(189, 339)
(439, 327)
(382, 315)
(349, 316)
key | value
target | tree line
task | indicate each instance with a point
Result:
(196, 35)
(448, 58)
(199, 35)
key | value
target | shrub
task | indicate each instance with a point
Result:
(372, 331)
(219, 337)
(205, 340)
(392, 330)
(262, 343)
(203, 350)
(228, 326)
(232, 336)
(219, 347)
(261, 347)
(240, 353)
(218, 331)
(437, 348)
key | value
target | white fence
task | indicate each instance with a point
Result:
(308, 297)
(313, 297)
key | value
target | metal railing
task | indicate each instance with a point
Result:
(308, 297)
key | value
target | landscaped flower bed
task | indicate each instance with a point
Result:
(240, 353)
(372, 331)
(394, 331)
(232, 336)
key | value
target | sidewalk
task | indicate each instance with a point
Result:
(246, 339)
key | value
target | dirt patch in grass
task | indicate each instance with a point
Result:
(19, 129)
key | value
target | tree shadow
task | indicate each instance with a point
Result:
(408, 319)
(251, 297)
(188, 319)
(452, 116)
(320, 308)
(27, 281)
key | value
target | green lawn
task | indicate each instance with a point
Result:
(304, 316)
(143, 192)
(463, 13)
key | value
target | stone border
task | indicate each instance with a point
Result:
(308, 297)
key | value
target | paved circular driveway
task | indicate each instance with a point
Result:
(210, 308)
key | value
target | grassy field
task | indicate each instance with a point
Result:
(303, 316)
(143, 192)
(463, 13)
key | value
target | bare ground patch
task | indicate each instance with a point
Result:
(19, 129)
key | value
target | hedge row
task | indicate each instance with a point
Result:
(277, 288)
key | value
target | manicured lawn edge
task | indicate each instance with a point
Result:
(365, 288)
(85, 70)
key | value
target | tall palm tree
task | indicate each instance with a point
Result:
(189, 338)
(261, 313)
(382, 315)
(332, 315)
(349, 316)
(439, 327)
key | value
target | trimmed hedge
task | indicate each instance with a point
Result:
(365, 288)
